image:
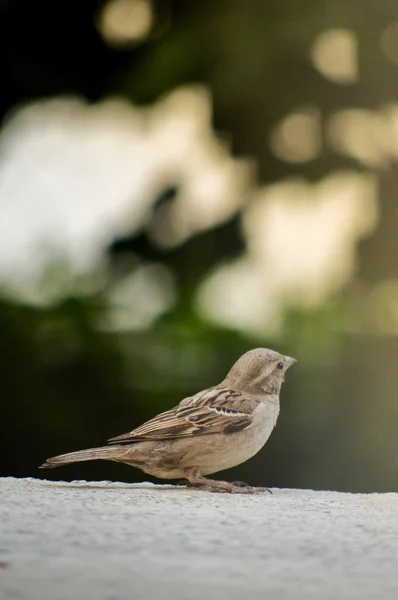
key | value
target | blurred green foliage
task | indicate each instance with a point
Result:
(67, 383)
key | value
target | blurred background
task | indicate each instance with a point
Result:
(181, 182)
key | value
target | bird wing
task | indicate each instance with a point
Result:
(216, 410)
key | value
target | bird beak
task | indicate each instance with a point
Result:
(289, 361)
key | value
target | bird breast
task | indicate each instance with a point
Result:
(226, 451)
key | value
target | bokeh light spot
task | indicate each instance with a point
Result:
(297, 138)
(334, 54)
(125, 22)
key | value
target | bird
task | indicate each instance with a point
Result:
(214, 430)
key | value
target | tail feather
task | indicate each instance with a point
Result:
(103, 453)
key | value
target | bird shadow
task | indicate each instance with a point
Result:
(110, 485)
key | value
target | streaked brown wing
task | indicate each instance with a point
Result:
(217, 410)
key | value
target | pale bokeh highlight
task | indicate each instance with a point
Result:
(361, 134)
(334, 54)
(297, 138)
(74, 176)
(301, 248)
(139, 298)
(369, 136)
(389, 41)
(122, 22)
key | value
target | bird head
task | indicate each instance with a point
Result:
(259, 371)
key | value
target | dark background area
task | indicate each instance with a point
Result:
(69, 382)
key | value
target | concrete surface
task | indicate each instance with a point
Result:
(107, 541)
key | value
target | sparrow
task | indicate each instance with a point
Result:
(216, 429)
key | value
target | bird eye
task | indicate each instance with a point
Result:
(280, 365)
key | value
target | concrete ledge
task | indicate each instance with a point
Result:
(108, 541)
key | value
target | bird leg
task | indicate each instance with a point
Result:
(214, 485)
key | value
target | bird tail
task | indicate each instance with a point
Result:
(103, 453)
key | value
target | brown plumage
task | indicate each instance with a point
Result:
(213, 430)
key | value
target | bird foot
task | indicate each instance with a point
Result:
(224, 487)
(234, 489)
